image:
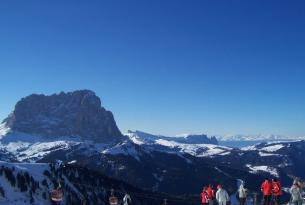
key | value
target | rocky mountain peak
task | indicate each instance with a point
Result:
(77, 113)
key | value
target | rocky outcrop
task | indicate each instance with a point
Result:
(77, 113)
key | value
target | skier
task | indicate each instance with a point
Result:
(211, 194)
(242, 194)
(204, 196)
(222, 195)
(276, 191)
(127, 199)
(296, 194)
(266, 189)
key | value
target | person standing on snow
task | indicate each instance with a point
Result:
(296, 194)
(242, 194)
(222, 195)
(276, 191)
(204, 196)
(266, 189)
(211, 194)
(127, 199)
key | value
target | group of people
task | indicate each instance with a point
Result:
(271, 190)
(208, 195)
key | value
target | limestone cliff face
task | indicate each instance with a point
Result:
(77, 113)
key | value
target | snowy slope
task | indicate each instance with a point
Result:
(31, 148)
(3, 130)
(175, 144)
(13, 195)
(32, 184)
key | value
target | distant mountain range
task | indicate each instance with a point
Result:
(258, 138)
(74, 127)
(186, 139)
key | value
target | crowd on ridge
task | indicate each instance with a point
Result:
(271, 193)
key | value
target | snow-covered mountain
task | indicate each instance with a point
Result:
(195, 145)
(176, 165)
(142, 137)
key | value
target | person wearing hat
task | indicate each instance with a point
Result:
(222, 195)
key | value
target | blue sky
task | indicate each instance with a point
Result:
(164, 67)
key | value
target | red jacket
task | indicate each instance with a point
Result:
(210, 193)
(266, 188)
(277, 188)
(204, 197)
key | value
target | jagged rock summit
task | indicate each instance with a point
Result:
(77, 113)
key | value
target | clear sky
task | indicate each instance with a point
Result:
(163, 66)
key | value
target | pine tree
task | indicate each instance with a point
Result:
(10, 176)
(31, 197)
(44, 195)
(27, 177)
(47, 173)
(21, 183)
(45, 183)
(2, 192)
